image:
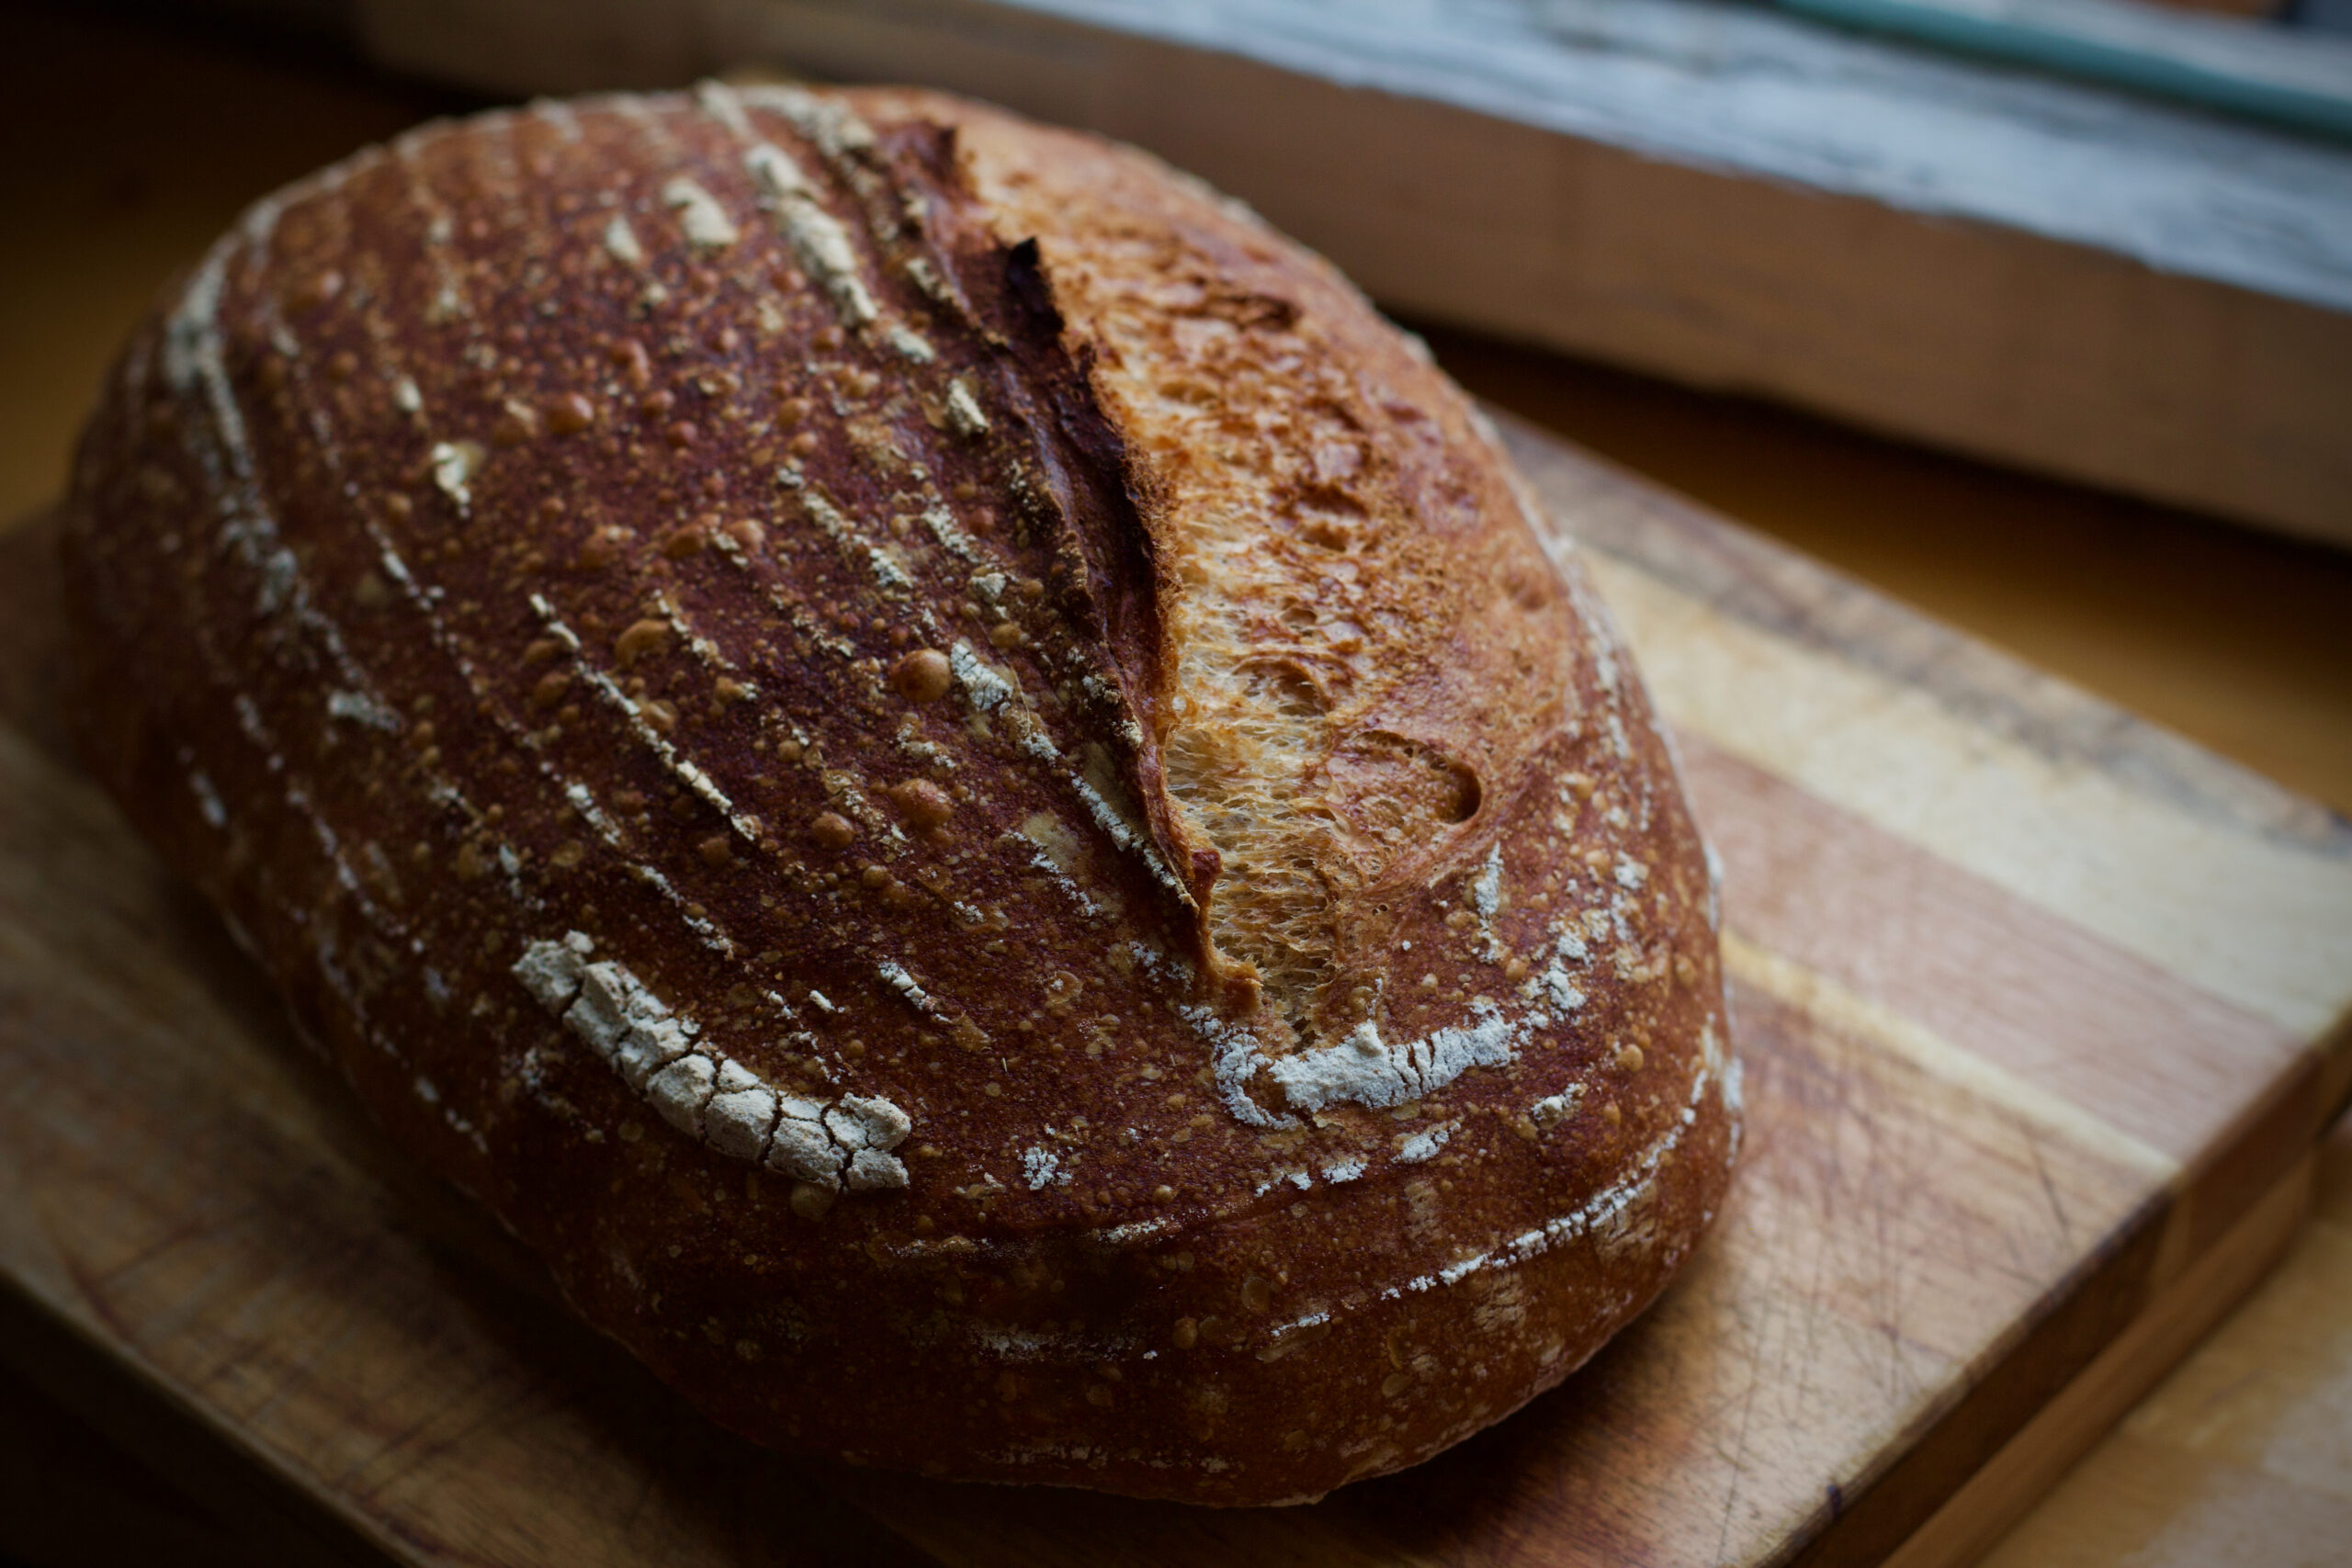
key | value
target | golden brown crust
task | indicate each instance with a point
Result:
(935, 764)
(1333, 674)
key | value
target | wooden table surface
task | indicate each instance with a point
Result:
(124, 148)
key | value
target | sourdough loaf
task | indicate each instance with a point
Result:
(937, 765)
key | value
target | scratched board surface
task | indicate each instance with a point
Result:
(2035, 1004)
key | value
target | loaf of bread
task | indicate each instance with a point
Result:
(937, 765)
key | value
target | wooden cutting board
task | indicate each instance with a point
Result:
(2042, 1011)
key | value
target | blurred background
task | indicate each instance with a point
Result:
(2036, 314)
(2107, 327)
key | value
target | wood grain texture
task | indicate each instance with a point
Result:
(2243, 1454)
(1973, 1518)
(1943, 1220)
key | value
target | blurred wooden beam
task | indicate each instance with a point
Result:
(2022, 267)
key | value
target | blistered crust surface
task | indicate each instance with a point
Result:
(1362, 640)
(935, 764)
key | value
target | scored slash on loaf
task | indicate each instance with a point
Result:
(703, 1092)
(937, 765)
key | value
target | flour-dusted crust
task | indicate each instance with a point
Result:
(937, 765)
